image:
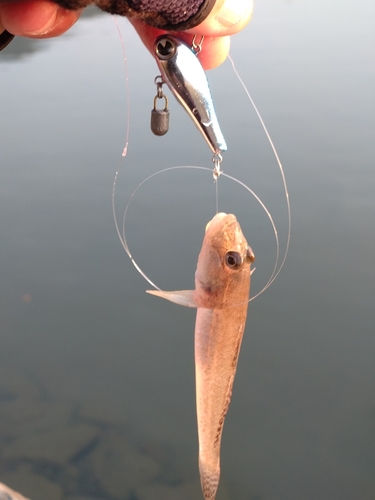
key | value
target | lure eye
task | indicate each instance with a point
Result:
(165, 48)
(233, 260)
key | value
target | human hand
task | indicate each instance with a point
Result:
(45, 19)
(226, 18)
(36, 18)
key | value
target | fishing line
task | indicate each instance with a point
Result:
(127, 93)
(217, 195)
(281, 169)
(122, 233)
(127, 126)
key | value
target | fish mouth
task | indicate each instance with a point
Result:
(217, 218)
(220, 223)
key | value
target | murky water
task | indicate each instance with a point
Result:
(96, 377)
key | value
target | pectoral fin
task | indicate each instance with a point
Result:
(180, 297)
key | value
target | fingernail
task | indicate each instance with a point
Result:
(233, 11)
(48, 26)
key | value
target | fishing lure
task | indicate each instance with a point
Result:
(183, 73)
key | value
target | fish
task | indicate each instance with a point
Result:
(221, 295)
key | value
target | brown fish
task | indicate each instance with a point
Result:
(222, 288)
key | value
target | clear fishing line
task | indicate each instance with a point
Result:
(127, 93)
(122, 233)
(279, 164)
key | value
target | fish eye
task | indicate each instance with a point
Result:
(233, 260)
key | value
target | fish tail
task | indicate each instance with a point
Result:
(209, 479)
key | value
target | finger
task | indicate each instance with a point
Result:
(226, 18)
(214, 49)
(36, 18)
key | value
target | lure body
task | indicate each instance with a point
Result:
(182, 72)
(222, 288)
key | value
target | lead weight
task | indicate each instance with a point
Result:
(160, 118)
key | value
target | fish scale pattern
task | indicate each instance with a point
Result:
(209, 480)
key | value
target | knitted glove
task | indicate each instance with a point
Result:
(163, 14)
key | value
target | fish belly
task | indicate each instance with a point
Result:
(218, 336)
